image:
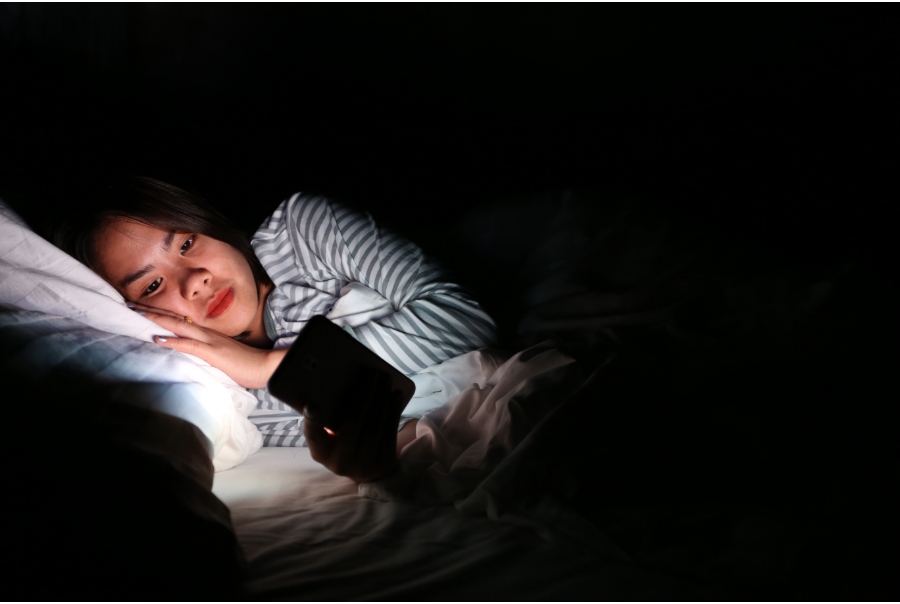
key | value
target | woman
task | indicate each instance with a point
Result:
(238, 305)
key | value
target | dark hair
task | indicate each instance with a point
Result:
(157, 204)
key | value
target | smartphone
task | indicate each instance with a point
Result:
(320, 370)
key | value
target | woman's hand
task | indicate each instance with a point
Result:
(363, 449)
(249, 367)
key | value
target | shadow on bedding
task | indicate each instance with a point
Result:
(740, 433)
(749, 484)
(743, 482)
(106, 501)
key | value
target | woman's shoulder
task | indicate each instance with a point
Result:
(309, 213)
(292, 211)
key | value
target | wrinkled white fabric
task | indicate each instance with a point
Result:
(308, 536)
(36, 276)
(439, 383)
(358, 305)
(487, 452)
(459, 444)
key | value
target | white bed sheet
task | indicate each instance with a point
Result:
(308, 535)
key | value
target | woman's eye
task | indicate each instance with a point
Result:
(187, 244)
(152, 287)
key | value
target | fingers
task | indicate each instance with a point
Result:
(143, 309)
(320, 443)
(315, 432)
(169, 320)
(176, 325)
(365, 448)
(160, 316)
(186, 338)
(187, 345)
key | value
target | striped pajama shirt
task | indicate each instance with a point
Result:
(311, 247)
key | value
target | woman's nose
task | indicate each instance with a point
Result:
(196, 283)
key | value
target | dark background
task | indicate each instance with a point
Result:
(771, 125)
(775, 124)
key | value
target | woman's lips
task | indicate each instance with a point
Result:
(220, 303)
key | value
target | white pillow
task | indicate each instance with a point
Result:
(37, 277)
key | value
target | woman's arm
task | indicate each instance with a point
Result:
(432, 319)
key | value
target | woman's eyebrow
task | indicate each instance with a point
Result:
(135, 276)
(166, 244)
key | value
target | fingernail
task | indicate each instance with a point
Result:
(140, 312)
(130, 305)
(161, 339)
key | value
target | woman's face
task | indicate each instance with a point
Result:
(185, 273)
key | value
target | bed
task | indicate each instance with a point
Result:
(307, 534)
(625, 452)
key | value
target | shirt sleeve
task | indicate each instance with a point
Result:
(432, 319)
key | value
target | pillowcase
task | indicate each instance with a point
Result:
(62, 314)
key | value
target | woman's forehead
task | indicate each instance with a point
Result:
(123, 246)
